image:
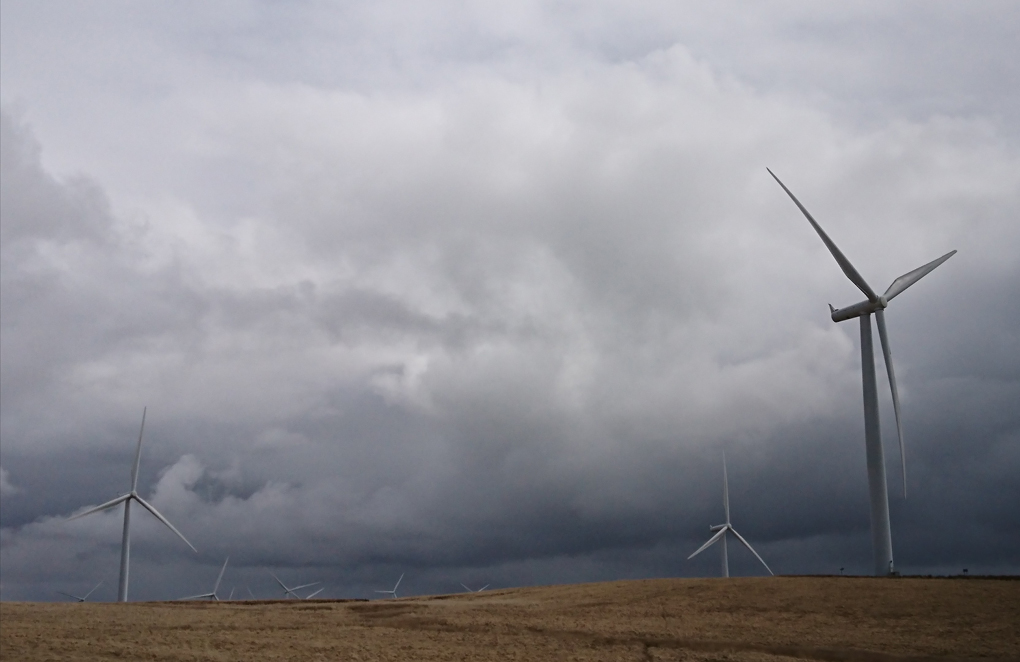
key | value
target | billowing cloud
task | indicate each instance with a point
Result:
(492, 311)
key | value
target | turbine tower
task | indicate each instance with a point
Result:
(881, 533)
(721, 529)
(126, 499)
(216, 587)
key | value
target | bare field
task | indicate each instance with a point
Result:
(755, 619)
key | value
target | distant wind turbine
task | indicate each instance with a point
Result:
(471, 590)
(126, 499)
(289, 591)
(216, 587)
(394, 591)
(881, 533)
(82, 598)
(722, 529)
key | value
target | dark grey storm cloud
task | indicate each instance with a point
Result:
(482, 295)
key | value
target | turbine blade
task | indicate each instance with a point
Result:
(92, 591)
(726, 489)
(711, 541)
(466, 588)
(304, 586)
(887, 353)
(312, 595)
(482, 588)
(218, 579)
(398, 582)
(282, 585)
(844, 264)
(109, 504)
(911, 277)
(79, 599)
(250, 593)
(155, 513)
(748, 545)
(231, 596)
(138, 454)
(197, 597)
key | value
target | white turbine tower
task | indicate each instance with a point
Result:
(126, 499)
(394, 591)
(216, 587)
(881, 533)
(288, 591)
(82, 598)
(722, 529)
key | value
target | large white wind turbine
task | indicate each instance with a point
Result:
(288, 591)
(82, 598)
(126, 499)
(216, 587)
(394, 591)
(722, 529)
(881, 534)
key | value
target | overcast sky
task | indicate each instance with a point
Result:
(483, 294)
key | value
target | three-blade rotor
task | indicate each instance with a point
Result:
(874, 304)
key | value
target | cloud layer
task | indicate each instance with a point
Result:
(486, 296)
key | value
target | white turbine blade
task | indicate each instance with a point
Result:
(79, 599)
(482, 588)
(726, 489)
(398, 582)
(250, 593)
(304, 586)
(197, 597)
(844, 264)
(312, 595)
(887, 353)
(748, 545)
(231, 596)
(155, 513)
(711, 541)
(466, 588)
(282, 585)
(109, 504)
(216, 587)
(92, 591)
(138, 454)
(911, 277)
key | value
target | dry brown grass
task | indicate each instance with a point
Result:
(665, 619)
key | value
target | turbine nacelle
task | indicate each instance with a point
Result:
(865, 307)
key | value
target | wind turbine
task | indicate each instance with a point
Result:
(82, 598)
(394, 591)
(881, 533)
(126, 499)
(471, 590)
(289, 591)
(721, 529)
(216, 587)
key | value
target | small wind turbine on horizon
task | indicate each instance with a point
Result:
(471, 590)
(216, 587)
(289, 591)
(722, 529)
(394, 591)
(81, 598)
(126, 499)
(881, 532)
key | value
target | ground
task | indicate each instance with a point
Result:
(782, 618)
